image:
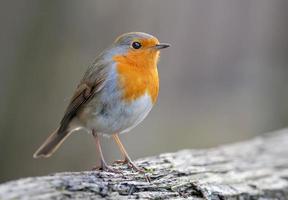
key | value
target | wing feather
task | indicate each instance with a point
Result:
(92, 83)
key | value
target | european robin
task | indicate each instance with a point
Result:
(116, 93)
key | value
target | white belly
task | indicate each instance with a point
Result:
(117, 117)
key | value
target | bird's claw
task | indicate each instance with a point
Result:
(130, 165)
(120, 162)
(107, 168)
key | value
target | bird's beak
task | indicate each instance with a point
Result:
(162, 46)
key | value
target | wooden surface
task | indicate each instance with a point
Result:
(255, 169)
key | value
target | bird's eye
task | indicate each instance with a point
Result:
(136, 45)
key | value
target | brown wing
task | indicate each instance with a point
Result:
(83, 93)
(92, 82)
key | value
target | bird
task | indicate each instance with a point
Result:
(116, 93)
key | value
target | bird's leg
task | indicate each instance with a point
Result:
(127, 160)
(103, 166)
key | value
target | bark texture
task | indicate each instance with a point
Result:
(255, 169)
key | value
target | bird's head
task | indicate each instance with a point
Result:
(140, 49)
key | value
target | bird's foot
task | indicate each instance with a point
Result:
(130, 164)
(107, 168)
(134, 167)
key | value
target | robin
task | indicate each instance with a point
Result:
(115, 94)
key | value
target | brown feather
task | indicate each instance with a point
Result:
(51, 144)
(92, 82)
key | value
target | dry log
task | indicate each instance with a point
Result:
(255, 169)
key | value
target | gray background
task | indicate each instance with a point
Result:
(223, 80)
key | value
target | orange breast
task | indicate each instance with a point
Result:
(138, 74)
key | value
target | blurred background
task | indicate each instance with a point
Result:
(223, 80)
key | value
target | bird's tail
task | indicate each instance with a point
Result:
(52, 143)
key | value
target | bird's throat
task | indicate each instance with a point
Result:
(136, 79)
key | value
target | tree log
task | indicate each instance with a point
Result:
(255, 169)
